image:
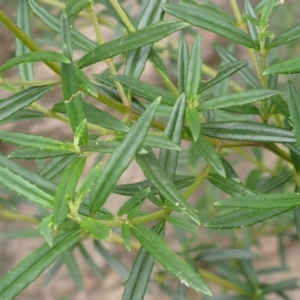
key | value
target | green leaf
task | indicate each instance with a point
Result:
(182, 223)
(26, 72)
(158, 248)
(36, 153)
(126, 235)
(267, 201)
(15, 181)
(133, 201)
(159, 178)
(239, 98)
(54, 23)
(227, 254)
(131, 41)
(183, 65)
(194, 70)
(87, 183)
(122, 157)
(201, 16)
(290, 66)
(193, 121)
(281, 106)
(96, 229)
(81, 133)
(224, 72)
(294, 109)
(16, 102)
(137, 282)
(168, 159)
(208, 152)
(85, 83)
(90, 262)
(45, 230)
(247, 131)
(112, 261)
(73, 7)
(180, 181)
(243, 217)
(65, 191)
(146, 90)
(136, 60)
(266, 12)
(36, 263)
(273, 182)
(36, 56)
(73, 269)
(22, 115)
(228, 185)
(289, 284)
(286, 37)
(40, 142)
(155, 141)
(252, 20)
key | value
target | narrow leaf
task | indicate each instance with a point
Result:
(36, 153)
(183, 65)
(45, 55)
(73, 7)
(96, 229)
(158, 248)
(121, 157)
(37, 262)
(126, 235)
(131, 41)
(266, 12)
(66, 190)
(193, 121)
(239, 98)
(157, 175)
(290, 66)
(286, 37)
(45, 230)
(201, 16)
(182, 223)
(85, 83)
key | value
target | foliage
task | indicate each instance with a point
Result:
(244, 109)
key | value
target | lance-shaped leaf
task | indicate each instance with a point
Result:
(161, 142)
(159, 178)
(36, 263)
(40, 142)
(96, 229)
(14, 103)
(273, 182)
(183, 65)
(121, 158)
(137, 59)
(53, 22)
(266, 12)
(45, 230)
(25, 70)
(180, 181)
(158, 248)
(28, 175)
(243, 217)
(131, 41)
(36, 153)
(290, 66)
(133, 201)
(45, 55)
(85, 83)
(66, 190)
(126, 235)
(239, 98)
(24, 187)
(203, 17)
(146, 90)
(22, 115)
(294, 109)
(73, 7)
(194, 70)
(224, 72)
(252, 20)
(228, 185)
(137, 282)
(286, 37)
(182, 223)
(247, 131)
(208, 152)
(263, 201)
(193, 121)
(168, 159)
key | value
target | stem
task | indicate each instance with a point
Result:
(9, 215)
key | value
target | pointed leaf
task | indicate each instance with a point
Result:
(290, 66)
(266, 12)
(155, 141)
(22, 115)
(36, 153)
(45, 230)
(45, 55)
(182, 223)
(183, 65)
(201, 16)
(96, 229)
(193, 121)
(286, 37)
(66, 190)
(85, 83)
(121, 157)
(37, 262)
(73, 7)
(239, 98)
(158, 248)
(14, 103)
(157, 175)
(126, 235)
(131, 41)
(137, 282)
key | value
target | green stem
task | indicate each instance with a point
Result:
(9, 215)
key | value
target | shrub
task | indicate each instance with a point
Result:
(239, 109)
